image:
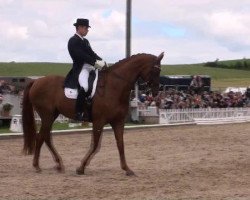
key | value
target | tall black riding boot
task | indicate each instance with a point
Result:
(80, 101)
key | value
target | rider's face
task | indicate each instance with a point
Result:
(83, 30)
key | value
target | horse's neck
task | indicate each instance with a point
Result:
(129, 71)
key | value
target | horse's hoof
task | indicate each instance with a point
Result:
(38, 170)
(130, 173)
(79, 171)
(60, 168)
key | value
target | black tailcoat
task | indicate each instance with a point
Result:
(81, 53)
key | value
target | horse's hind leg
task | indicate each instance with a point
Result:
(45, 135)
(48, 140)
(118, 130)
(94, 147)
(40, 138)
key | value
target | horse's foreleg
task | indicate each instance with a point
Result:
(94, 148)
(118, 130)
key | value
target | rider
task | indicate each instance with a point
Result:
(84, 60)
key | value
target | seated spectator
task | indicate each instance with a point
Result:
(168, 104)
(4, 87)
(196, 84)
(1, 86)
(142, 98)
(149, 99)
(247, 93)
(1, 105)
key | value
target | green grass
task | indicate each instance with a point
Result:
(56, 126)
(221, 77)
(33, 69)
(5, 130)
(215, 73)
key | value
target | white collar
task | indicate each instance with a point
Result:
(80, 36)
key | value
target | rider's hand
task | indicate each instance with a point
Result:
(100, 64)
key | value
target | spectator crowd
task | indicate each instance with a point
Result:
(174, 99)
(195, 97)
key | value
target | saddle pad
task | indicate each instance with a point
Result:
(72, 93)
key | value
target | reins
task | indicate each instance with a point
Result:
(120, 77)
(128, 81)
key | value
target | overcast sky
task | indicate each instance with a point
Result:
(188, 31)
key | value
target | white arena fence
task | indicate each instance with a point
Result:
(150, 111)
(204, 115)
(171, 116)
(194, 115)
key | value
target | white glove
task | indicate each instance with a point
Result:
(100, 64)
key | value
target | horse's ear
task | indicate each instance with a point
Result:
(159, 58)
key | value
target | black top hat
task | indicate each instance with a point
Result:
(83, 22)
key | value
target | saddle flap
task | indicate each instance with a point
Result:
(93, 79)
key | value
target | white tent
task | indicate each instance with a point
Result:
(236, 89)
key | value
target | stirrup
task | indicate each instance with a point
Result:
(79, 116)
(82, 117)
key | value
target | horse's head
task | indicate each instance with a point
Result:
(151, 74)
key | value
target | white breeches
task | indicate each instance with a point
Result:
(84, 76)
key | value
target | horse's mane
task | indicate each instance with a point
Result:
(120, 62)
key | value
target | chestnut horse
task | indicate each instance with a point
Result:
(110, 105)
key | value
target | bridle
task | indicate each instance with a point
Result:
(157, 66)
(154, 69)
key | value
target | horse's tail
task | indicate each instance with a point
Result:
(28, 120)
